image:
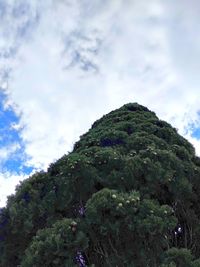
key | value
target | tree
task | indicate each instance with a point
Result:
(127, 195)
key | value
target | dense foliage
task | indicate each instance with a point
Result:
(126, 196)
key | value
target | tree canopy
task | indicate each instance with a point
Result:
(127, 196)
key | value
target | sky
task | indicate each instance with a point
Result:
(65, 63)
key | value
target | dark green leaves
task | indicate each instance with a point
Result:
(128, 195)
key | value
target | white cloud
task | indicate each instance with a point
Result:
(15, 126)
(6, 152)
(85, 58)
(8, 183)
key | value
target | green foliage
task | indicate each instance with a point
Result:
(55, 246)
(179, 258)
(121, 221)
(132, 185)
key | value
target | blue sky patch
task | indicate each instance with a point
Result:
(196, 133)
(10, 138)
(195, 129)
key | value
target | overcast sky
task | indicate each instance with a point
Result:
(65, 63)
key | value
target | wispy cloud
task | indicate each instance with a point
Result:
(6, 152)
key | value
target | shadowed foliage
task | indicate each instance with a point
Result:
(127, 196)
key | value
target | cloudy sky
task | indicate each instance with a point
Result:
(65, 63)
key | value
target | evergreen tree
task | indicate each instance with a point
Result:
(126, 196)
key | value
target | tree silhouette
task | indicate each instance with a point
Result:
(126, 196)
